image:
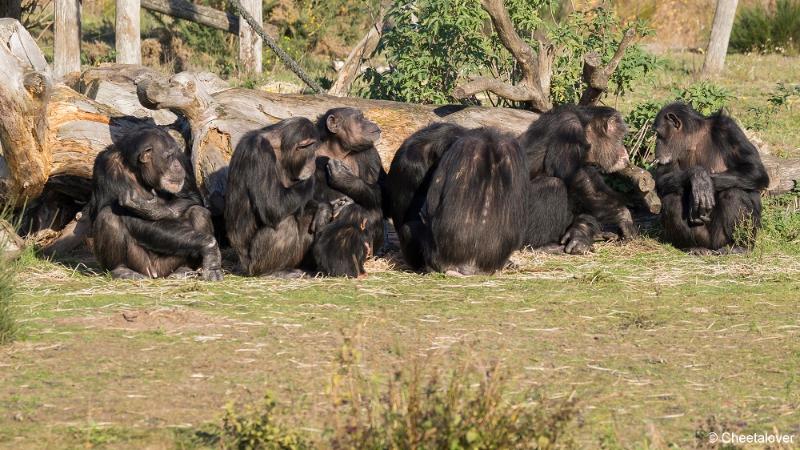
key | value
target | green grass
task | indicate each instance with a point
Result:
(650, 343)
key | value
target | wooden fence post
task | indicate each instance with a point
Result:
(128, 32)
(67, 47)
(250, 43)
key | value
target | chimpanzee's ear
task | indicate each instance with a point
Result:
(146, 155)
(333, 124)
(674, 120)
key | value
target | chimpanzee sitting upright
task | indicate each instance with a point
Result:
(147, 215)
(408, 181)
(567, 149)
(268, 211)
(349, 175)
(709, 179)
(458, 199)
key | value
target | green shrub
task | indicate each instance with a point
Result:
(705, 97)
(461, 410)
(760, 30)
(780, 223)
(256, 428)
(641, 139)
(8, 326)
(436, 44)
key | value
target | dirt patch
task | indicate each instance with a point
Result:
(169, 320)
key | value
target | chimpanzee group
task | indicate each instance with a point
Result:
(305, 197)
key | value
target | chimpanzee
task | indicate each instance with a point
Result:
(348, 176)
(147, 214)
(709, 179)
(462, 215)
(408, 181)
(568, 148)
(269, 215)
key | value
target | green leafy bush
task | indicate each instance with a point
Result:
(256, 428)
(641, 140)
(705, 97)
(436, 44)
(8, 325)
(780, 223)
(760, 30)
(461, 410)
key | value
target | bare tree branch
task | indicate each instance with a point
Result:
(516, 93)
(596, 76)
(536, 67)
(361, 52)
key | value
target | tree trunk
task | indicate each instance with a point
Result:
(128, 32)
(720, 35)
(67, 46)
(250, 44)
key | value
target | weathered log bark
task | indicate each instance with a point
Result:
(23, 105)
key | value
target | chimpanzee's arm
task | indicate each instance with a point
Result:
(745, 171)
(588, 190)
(670, 179)
(364, 189)
(273, 202)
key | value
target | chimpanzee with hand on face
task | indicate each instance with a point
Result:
(269, 210)
(709, 179)
(147, 214)
(568, 148)
(349, 174)
(457, 198)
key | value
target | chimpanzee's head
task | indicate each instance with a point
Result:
(604, 132)
(156, 159)
(348, 126)
(676, 126)
(294, 142)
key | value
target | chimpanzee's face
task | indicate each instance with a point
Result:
(605, 136)
(160, 161)
(298, 144)
(669, 137)
(354, 131)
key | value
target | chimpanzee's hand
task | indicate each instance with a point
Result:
(340, 204)
(133, 200)
(339, 174)
(626, 225)
(628, 229)
(577, 241)
(702, 196)
(322, 217)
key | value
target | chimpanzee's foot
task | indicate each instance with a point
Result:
(733, 250)
(551, 249)
(124, 273)
(212, 274)
(700, 251)
(183, 273)
(287, 274)
(511, 265)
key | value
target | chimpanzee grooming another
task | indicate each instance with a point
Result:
(268, 209)
(147, 215)
(567, 149)
(709, 179)
(462, 215)
(408, 181)
(349, 175)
